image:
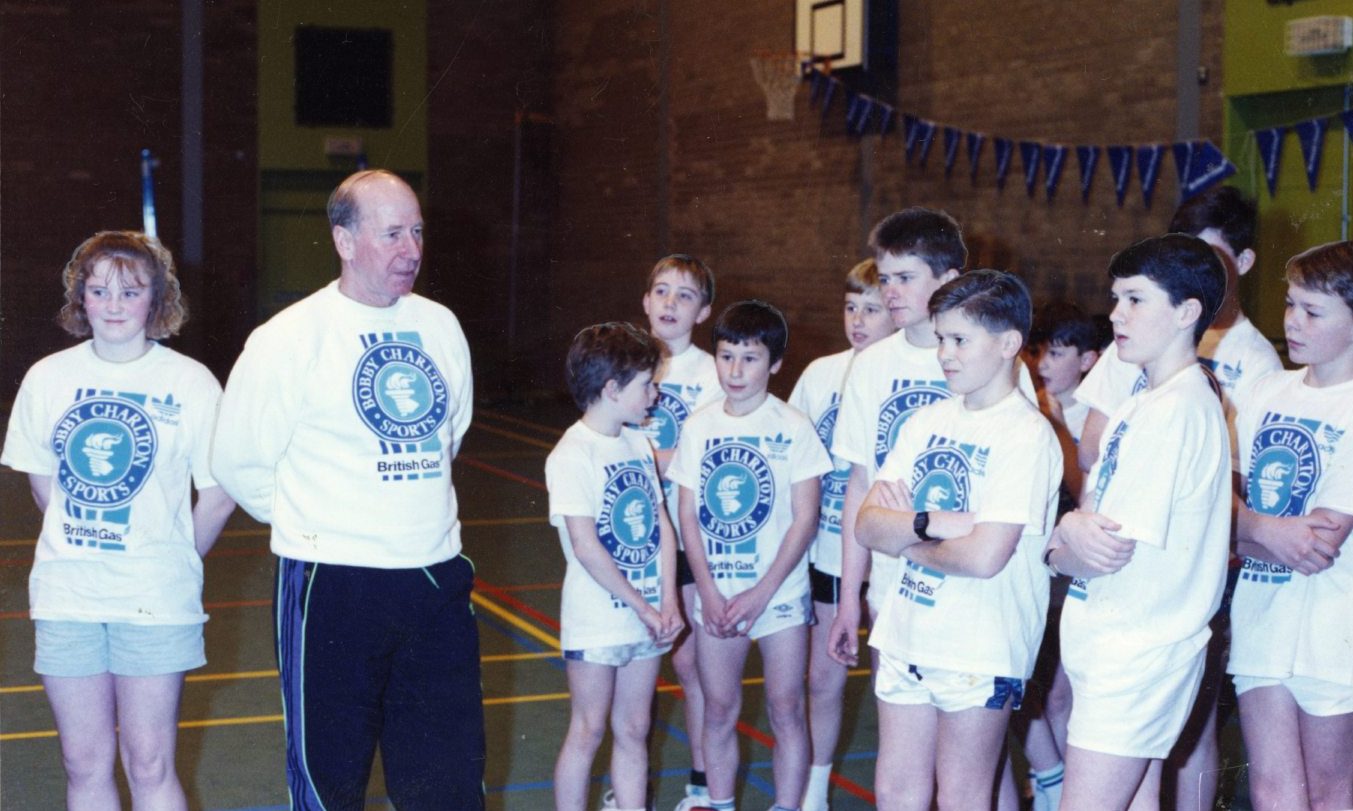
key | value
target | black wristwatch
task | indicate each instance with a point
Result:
(920, 524)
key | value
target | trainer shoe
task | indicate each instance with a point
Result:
(693, 801)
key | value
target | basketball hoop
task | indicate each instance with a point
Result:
(778, 74)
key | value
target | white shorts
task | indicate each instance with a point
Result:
(1143, 722)
(618, 655)
(775, 618)
(1314, 696)
(948, 691)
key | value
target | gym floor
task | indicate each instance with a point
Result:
(230, 744)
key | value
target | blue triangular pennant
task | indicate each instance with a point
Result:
(1087, 157)
(1148, 169)
(857, 113)
(832, 84)
(1003, 147)
(1054, 156)
(1200, 164)
(1347, 116)
(952, 138)
(816, 82)
(1029, 153)
(1120, 163)
(910, 124)
(1311, 136)
(1270, 142)
(975, 142)
(925, 138)
(885, 118)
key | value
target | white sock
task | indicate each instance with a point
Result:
(1048, 787)
(815, 793)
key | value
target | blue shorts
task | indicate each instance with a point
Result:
(79, 649)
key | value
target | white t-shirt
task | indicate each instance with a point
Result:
(1164, 475)
(613, 480)
(1004, 464)
(888, 382)
(123, 443)
(1236, 356)
(1295, 449)
(818, 395)
(741, 470)
(688, 382)
(338, 426)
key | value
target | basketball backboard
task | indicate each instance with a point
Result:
(832, 31)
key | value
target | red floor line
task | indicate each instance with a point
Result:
(531, 587)
(497, 471)
(513, 602)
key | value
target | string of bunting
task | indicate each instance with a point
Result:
(1199, 163)
(1310, 138)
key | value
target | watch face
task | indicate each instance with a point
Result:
(920, 524)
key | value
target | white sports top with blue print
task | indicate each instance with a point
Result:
(1004, 464)
(1164, 474)
(338, 426)
(686, 383)
(122, 443)
(818, 395)
(614, 481)
(741, 470)
(1298, 455)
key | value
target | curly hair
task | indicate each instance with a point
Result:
(131, 253)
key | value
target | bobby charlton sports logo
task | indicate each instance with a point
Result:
(664, 424)
(907, 396)
(399, 392)
(738, 491)
(1284, 466)
(627, 526)
(105, 447)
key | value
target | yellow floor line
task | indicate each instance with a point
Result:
(515, 621)
(274, 719)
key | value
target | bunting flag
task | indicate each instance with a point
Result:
(1120, 164)
(952, 138)
(1200, 164)
(976, 140)
(816, 81)
(1270, 143)
(1148, 169)
(858, 112)
(925, 138)
(1347, 116)
(1029, 153)
(1088, 158)
(910, 126)
(1054, 156)
(1311, 137)
(1003, 147)
(828, 94)
(885, 118)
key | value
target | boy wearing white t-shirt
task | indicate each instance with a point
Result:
(748, 469)
(677, 299)
(818, 395)
(1292, 640)
(1237, 355)
(966, 499)
(619, 609)
(1148, 548)
(917, 250)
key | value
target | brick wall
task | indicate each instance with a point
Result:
(781, 210)
(86, 87)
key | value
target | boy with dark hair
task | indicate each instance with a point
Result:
(1237, 354)
(967, 499)
(677, 299)
(818, 395)
(1290, 652)
(748, 473)
(917, 250)
(619, 609)
(1148, 549)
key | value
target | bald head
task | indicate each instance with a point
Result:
(377, 228)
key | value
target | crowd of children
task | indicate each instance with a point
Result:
(1045, 513)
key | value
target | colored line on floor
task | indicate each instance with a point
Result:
(503, 432)
(498, 415)
(497, 471)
